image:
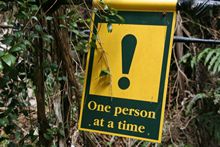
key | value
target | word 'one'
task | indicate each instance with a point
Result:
(92, 105)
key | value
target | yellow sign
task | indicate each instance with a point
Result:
(145, 68)
(139, 5)
(127, 70)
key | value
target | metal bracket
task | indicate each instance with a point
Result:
(194, 40)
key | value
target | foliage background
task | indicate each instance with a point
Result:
(43, 48)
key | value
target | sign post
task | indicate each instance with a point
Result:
(127, 70)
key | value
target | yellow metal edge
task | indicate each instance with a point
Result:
(86, 72)
(121, 135)
(167, 75)
(138, 5)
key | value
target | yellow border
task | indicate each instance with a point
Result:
(120, 135)
(86, 72)
(167, 76)
(139, 5)
(164, 96)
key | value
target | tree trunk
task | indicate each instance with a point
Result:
(40, 96)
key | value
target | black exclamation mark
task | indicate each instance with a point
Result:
(128, 43)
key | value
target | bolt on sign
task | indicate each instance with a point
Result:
(127, 70)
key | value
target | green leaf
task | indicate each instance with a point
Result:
(104, 73)
(47, 38)
(63, 26)
(15, 49)
(193, 62)
(212, 61)
(62, 78)
(24, 15)
(18, 34)
(38, 28)
(185, 58)
(4, 121)
(208, 57)
(21, 3)
(122, 20)
(61, 132)
(49, 18)
(34, 7)
(109, 26)
(2, 53)
(34, 36)
(203, 53)
(9, 59)
(34, 18)
(8, 39)
(47, 136)
(27, 43)
(74, 24)
(76, 32)
(18, 47)
(1, 66)
(216, 66)
(194, 100)
(218, 69)
(3, 5)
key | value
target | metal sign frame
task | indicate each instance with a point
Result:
(102, 119)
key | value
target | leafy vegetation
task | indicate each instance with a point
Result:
(34, 57)
(43, 48)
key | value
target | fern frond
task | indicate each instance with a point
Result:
(213, 60)
(209, 55)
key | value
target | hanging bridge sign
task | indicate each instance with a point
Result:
(127, 70)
